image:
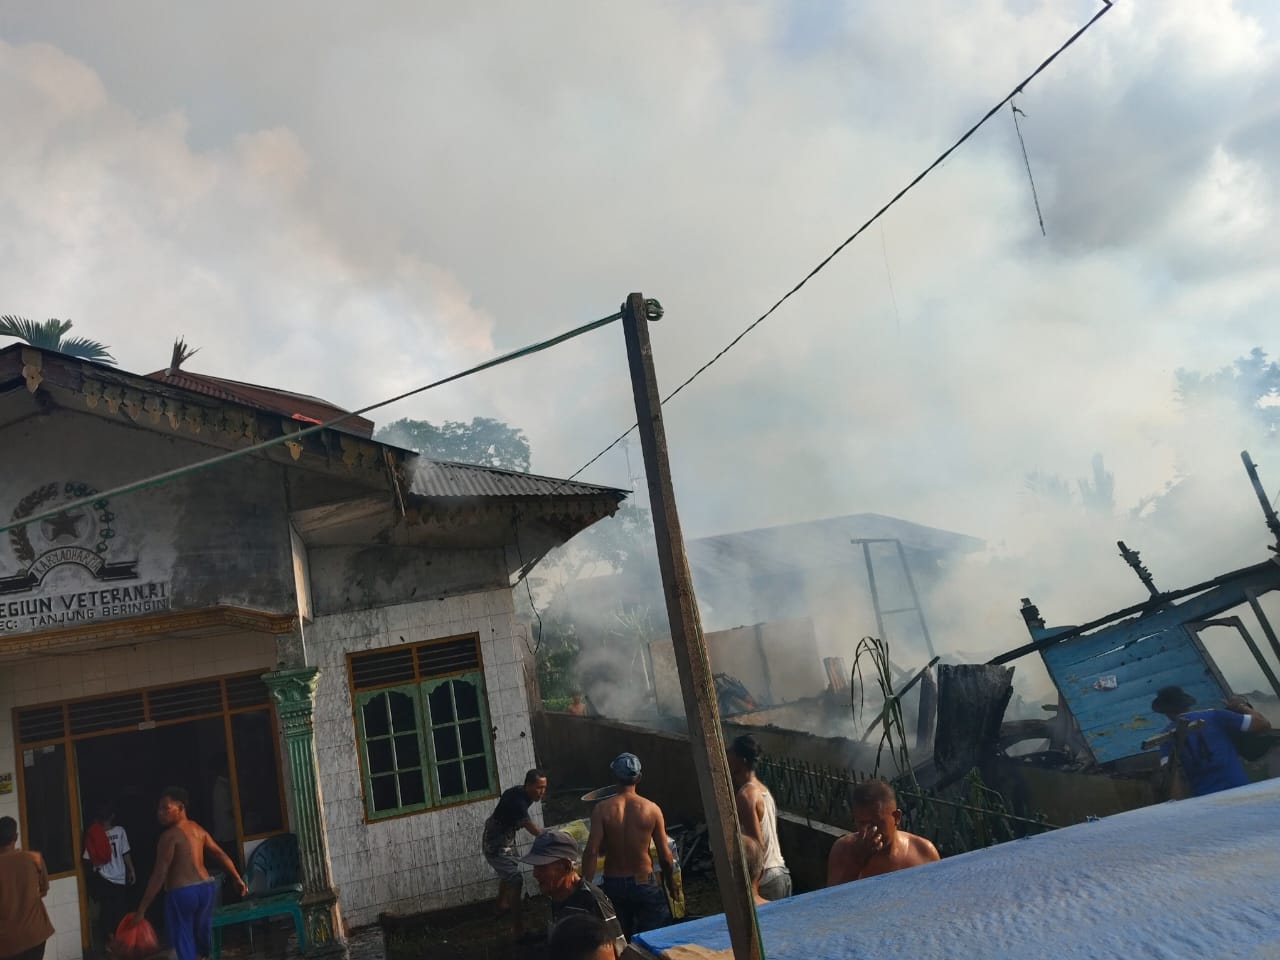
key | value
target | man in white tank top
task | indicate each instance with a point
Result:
(758, 815)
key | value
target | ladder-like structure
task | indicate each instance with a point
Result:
(915, 607)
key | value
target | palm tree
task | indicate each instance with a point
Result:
(51, 335)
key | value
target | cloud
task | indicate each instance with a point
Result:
(351, 202)
(118, 222)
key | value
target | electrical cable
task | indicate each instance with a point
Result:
(524, 575)
(893, 296)
(166, 476)
(1027, 161)
(941, 158)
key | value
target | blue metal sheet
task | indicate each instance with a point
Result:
(1116, 721)
(1175, 881)
(1110, 676)
(1139, 656)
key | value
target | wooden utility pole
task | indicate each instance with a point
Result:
(696, 683)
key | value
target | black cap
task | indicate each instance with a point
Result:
(1172, 699)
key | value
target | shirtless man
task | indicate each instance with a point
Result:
(189, 890)
(622, 827)
(876, 845)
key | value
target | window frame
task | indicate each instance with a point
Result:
(427, 687)
(364, 697)
(421, 686)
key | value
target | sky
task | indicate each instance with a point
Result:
(354, 200)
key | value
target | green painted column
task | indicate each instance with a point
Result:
(294, 692)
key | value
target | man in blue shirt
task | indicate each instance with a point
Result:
(1207, 755)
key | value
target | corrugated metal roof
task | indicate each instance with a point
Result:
(442, 478)
(816, 544)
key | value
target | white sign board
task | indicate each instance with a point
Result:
(73, 566)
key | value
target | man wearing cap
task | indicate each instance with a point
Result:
(1207, 755)
(554, 857)
(622, 827)
(498, 842)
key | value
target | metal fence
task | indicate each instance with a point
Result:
(966, 816)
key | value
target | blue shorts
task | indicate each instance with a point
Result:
(188, 918)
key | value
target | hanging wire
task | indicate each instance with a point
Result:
(524, 576)
(937, 162)
(1027, 161)
(893, 296)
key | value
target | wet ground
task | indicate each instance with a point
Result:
(464, 933)
(472, 932)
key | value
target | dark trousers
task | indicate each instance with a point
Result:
(641, 905)
(113, 901)
(35, 953)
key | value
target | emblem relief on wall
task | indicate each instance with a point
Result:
(80, 540)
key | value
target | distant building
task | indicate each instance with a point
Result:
(798, 589)
(328, 623)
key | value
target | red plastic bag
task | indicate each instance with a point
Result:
(135, 940)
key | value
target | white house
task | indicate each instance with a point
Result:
(328, 622)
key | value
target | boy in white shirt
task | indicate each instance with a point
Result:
(109, 880)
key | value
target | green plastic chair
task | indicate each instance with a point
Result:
(272, 876)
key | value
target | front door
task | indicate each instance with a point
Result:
(216, 738)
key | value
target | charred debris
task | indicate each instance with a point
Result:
(1107, 671)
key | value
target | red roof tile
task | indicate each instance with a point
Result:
(296, 405)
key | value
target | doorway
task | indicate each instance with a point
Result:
(129, 770)
(123, 748)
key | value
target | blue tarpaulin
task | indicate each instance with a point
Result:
(1198, 878)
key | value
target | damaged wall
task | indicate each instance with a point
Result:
(576, 751)
(360, 578)
(777, 661)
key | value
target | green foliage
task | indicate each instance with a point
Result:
(1047, 486)
(484, 441)
(623, 543)
(556, 672)
(1251, 384)
(1097, 493)
(893, 730)
(634, 626)
(1099, 496)
(52, 335)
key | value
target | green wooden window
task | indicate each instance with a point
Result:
(390, 724)
(423, 727)
(460, 738)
